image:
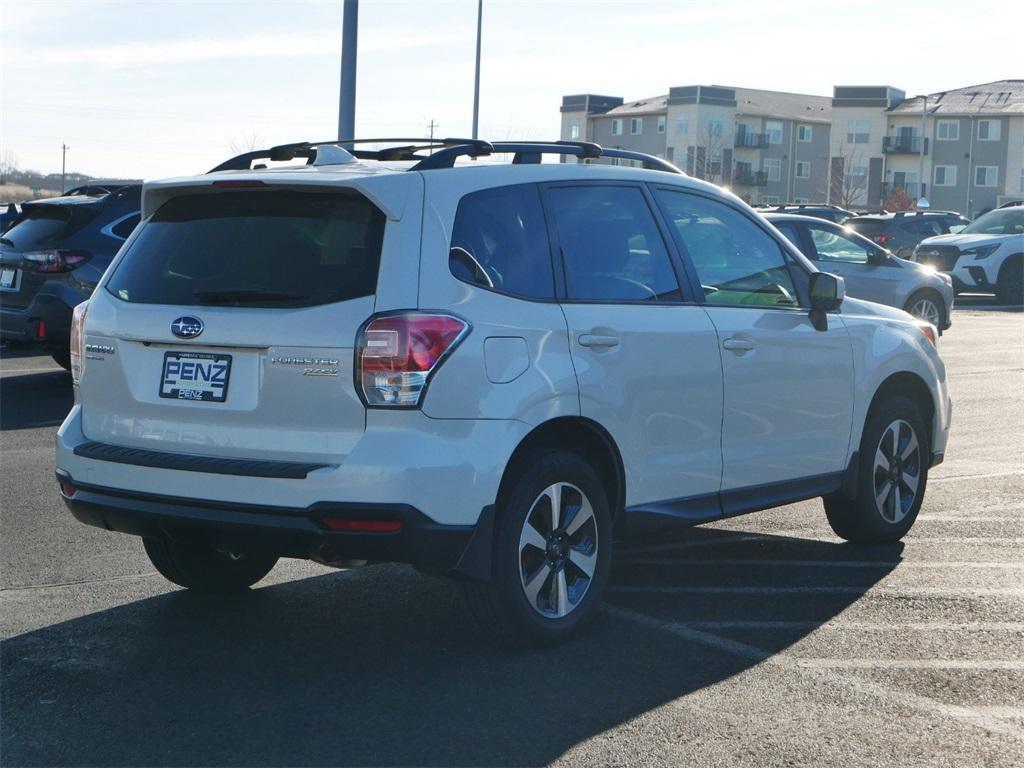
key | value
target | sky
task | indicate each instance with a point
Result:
(168, 88)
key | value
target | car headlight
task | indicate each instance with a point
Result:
(981, 252)
(945, 278)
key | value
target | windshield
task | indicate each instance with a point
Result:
(1009, 221)
(257, 249)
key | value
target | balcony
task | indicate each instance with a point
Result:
(912, 188)
(752, 140)
(745, 178)
(903, 145)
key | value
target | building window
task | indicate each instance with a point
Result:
(945, 176)
(856, 175)
(682, 126)
(715, 127)
(801, 200)
(661, 123)
(947, 130)
(805, 133)
(803, 169)
(616, 127)
(574, 130)
(986, 176)
(988, 130)
(773, 168)
(774, 130)
(636, 125)
(770, 199)
(858, 132)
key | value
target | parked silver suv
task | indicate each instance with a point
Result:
(486, 370)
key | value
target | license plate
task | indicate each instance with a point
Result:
(8, 279)
(200, 376)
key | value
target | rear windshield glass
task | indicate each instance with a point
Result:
(260, 249)
(40, 227)
(867, 227)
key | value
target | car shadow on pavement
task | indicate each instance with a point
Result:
(380, 666)
(33, 400)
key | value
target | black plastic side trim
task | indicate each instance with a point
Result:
(188, 463)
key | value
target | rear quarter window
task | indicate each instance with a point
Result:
(254, 248)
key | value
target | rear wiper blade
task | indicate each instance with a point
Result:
(243, 295)
(5, 241)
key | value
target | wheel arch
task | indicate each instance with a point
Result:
(1008, 262)
(913, 387)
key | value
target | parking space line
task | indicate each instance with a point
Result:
(968, 519)
(986, 720)
(990, 665)
(870, 626)
(818, 563)
(944, 478)
(855, 590)
(799, 535)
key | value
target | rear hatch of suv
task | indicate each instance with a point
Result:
(227, 328)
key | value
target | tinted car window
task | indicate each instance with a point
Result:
(831, 245)
(611, 247)
(790, 230)
(736, 261)
(267, 249)
(867, 227)
(39, 227)
(124, 228)
(499, 242)
(925, 227)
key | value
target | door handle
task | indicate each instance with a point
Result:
(739, 346)
(598, 340)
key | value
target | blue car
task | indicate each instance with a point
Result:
(53, 256)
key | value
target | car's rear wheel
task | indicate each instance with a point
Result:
(551, 554)
(206, 569)
(894, 457)
(1010, 286)
(927, 306)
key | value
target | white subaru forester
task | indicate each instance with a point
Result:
(486, 370)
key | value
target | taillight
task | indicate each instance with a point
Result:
(397, 354)
(55, 261)
(882, 239)
(78, 341)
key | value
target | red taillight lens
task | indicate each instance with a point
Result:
(882, 239)
(67, 489)
(396, 355)
(362, 526)
(78, 341)
(55, 261)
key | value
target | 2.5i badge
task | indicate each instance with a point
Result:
(199, 376)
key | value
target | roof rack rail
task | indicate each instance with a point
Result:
(530, 152)
(307, 149)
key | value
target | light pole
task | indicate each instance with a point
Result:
(347, 97)
(476, 80)
(63, 165)
(922, 201)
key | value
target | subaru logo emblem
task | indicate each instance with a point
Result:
(187, 327)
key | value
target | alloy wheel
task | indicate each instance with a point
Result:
(558, 550)
(897, 471)
(928, 310)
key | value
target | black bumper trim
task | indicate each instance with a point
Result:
(463, 550)
(184, 462)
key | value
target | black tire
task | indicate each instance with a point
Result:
(501, 606)
(860, 520)
(932, 296)
(207, 570)
(62, 357)
(1010, 286)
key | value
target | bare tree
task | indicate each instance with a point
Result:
(247, 141)
(8, 165)
(849, 176)
(709, 147)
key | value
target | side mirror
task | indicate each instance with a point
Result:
(827, 293)
(877, 257)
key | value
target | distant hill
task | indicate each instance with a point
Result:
(19, 185)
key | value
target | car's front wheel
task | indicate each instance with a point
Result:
(892, 473)
(205, 569)
(927, 306)
(551, 555)
(1010, 287)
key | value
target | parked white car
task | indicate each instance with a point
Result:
(987, 256)
(481, 369)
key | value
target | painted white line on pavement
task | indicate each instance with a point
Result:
(969, 519)
(981, 719)
(756, 562)
(59, 584)
(789, 537)
(972, 664)
(852, 590)
(867, 626)
(944, 478)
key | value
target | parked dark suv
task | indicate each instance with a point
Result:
(831, 213)
(901, 232)
(52, 258)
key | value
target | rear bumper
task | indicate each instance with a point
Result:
(286, 531)
(23, 325)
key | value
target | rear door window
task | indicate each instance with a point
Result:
(500, 242)
(612, 250)
(265, 248)
(867, 227)
(830, 244)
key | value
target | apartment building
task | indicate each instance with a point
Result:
(962, 149)
(767, 146)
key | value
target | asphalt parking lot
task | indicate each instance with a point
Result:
(758, 641)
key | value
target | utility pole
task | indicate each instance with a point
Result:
(347, 97)
(476, 81)
(63, 165)
(432, 125)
